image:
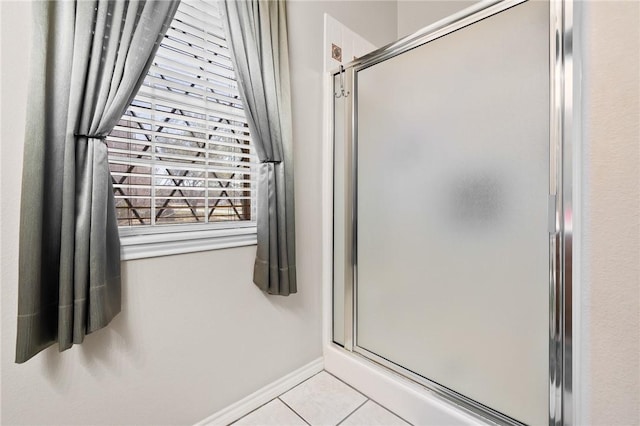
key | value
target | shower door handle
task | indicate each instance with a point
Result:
(552, 218)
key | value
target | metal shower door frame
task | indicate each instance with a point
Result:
(561, 197)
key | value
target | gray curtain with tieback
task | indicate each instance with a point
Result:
(257, 36)
(89, 59)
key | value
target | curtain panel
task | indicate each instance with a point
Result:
(257, 36)
(89, 59)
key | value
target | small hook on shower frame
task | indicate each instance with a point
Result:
(342, 92)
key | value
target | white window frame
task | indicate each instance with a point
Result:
(146, 241)
(165, 240)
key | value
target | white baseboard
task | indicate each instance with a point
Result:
(407, 399)
(262, 396)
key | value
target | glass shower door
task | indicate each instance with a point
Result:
(452, 166)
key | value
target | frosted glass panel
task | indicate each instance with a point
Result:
(453, 175)
(339, 214)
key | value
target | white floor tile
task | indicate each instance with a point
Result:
(372, 414)
(323, 400)
(275, 413)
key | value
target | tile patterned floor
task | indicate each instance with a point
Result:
(322, 400)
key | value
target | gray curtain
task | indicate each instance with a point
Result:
(89, 59)
(257, 36)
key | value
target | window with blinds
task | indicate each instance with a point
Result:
(181, 154)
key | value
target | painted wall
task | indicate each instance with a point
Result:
(195, 334)
(610, 364)
(416, 14)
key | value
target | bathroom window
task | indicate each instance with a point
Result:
(181, 158)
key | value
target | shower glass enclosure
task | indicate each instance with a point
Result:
(445, 210)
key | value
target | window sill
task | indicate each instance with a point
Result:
(171, 240)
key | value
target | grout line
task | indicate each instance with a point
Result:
(295, 412)
(278, 397)
(342, 381)
(305, 380)
(395, 414)
(351, 413)
(368, 398)
(391, 412)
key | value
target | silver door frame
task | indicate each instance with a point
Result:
(561, 199)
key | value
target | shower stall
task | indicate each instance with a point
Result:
(452, 210)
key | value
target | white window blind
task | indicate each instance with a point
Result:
(181, 154)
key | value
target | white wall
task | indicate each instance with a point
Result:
(195, 334)
(416, 14)
(610, 349)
